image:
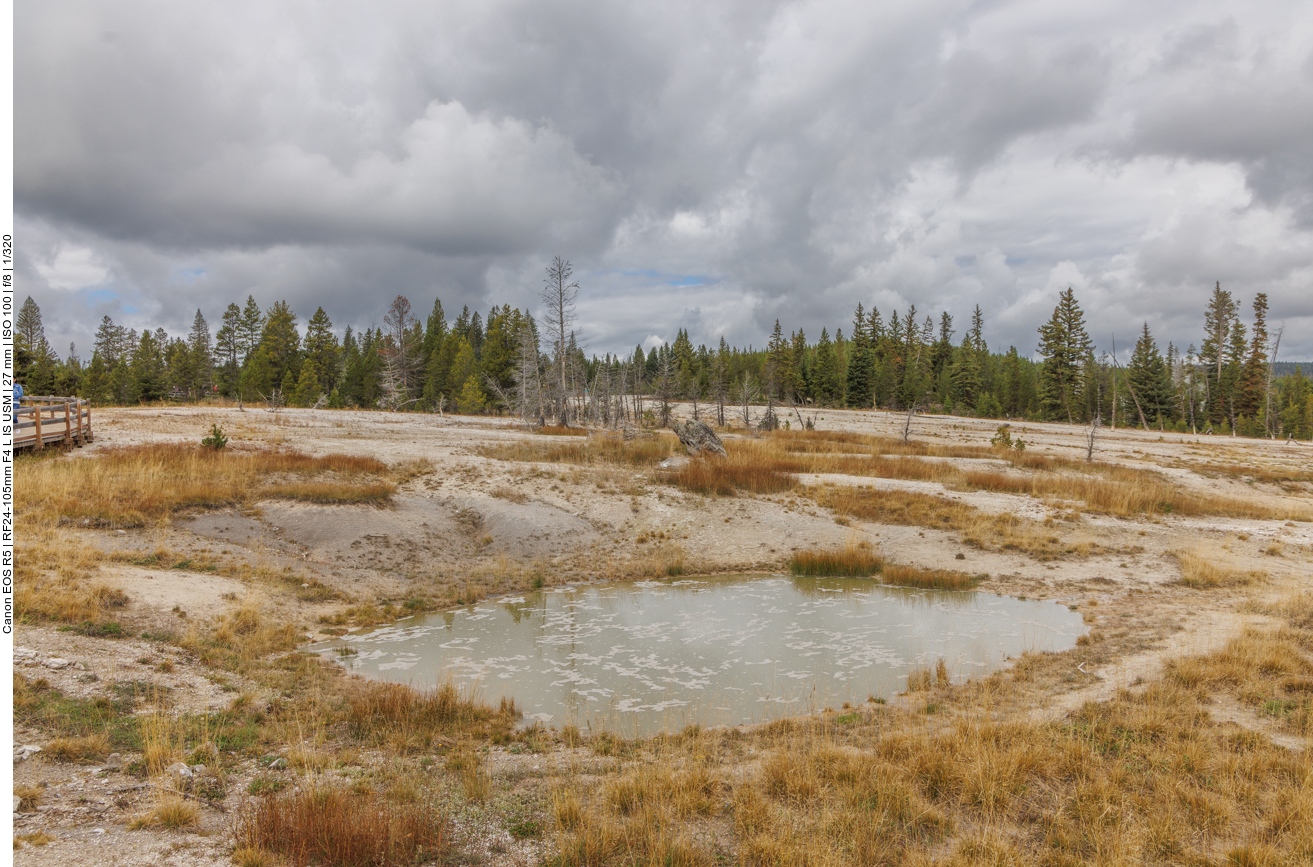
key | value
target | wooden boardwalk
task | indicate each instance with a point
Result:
(43, 421)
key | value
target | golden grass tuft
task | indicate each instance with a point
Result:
(170, 811)
(28, 797)
(857, 559)
(38, 839)
(594, 451)
(133, 486)
(740, 471)
(323, 824)
(1205, 568)
(927, 579)
(410, 719)
(87, 748)
(854, 559)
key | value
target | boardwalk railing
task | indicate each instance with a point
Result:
(42, 421)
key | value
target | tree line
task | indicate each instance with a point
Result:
(509, 362)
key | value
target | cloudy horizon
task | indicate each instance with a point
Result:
(704, 166)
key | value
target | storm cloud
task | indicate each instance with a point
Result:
(711, 166)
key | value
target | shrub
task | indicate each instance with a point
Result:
(216, 440)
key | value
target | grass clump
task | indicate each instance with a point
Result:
(133, 486)
(323, 824)
(409, 719)
(593, 451)
(170, 811)
(1205, 569)
(740, 471)
(856, 559)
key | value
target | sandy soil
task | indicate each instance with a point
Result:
(475, 520)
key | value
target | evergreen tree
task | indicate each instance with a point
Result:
(1065, 346)
(201, 361)
(281, 343)
(1150, 379)
(1252, 388)
(1219, 319)
(321, 350)
(148, 381)
(861, 366)
(228, 349)
(29, 330)
(825, 377)
(250, 329)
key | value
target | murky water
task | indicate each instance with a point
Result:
(650, 656)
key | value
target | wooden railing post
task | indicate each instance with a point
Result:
(68, 426)
(90, 436)
(36, 413)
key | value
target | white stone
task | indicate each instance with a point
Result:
(57, 663)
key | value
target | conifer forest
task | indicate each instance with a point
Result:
(508, 362)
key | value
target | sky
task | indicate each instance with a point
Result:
(704, 165)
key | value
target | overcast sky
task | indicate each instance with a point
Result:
(707, 165)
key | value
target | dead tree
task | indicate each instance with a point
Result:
(558, 296)
(404, 356)
(748, 392)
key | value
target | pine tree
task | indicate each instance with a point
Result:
(1252, 388)
(1150, 379)
(29, 329)
(281, 341)
(250, 329)
(1065, 346)
(861, 366)
(147, 370)
(826, 373)
(471, 399)
(202, 363)
(322, 350)
(779, 362)
(1219, 318)
(228, 348)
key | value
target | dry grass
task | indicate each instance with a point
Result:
(1104, 488)
(594, 451)
(857, 559)
(985, 531)
(39, 838)
(1204, 568)
(135, 486)
(659, 561)
(740, 471)
(170, 811)
(927, 579)
(28, 797)
(323, 824)
(87, 748)
(409, 720)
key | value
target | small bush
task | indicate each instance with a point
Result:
(216, 440)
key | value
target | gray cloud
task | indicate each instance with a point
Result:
(799, 157)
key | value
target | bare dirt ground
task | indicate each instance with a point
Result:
(474, 524)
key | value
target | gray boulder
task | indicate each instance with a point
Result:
(698, 437)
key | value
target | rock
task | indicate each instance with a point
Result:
(57, 664)
(198, 770)
(113, 762)
(25, 752)
(178, 771)
(698, 437)
(18, 802)
(277, 764)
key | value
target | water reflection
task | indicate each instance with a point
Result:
(650, 656)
